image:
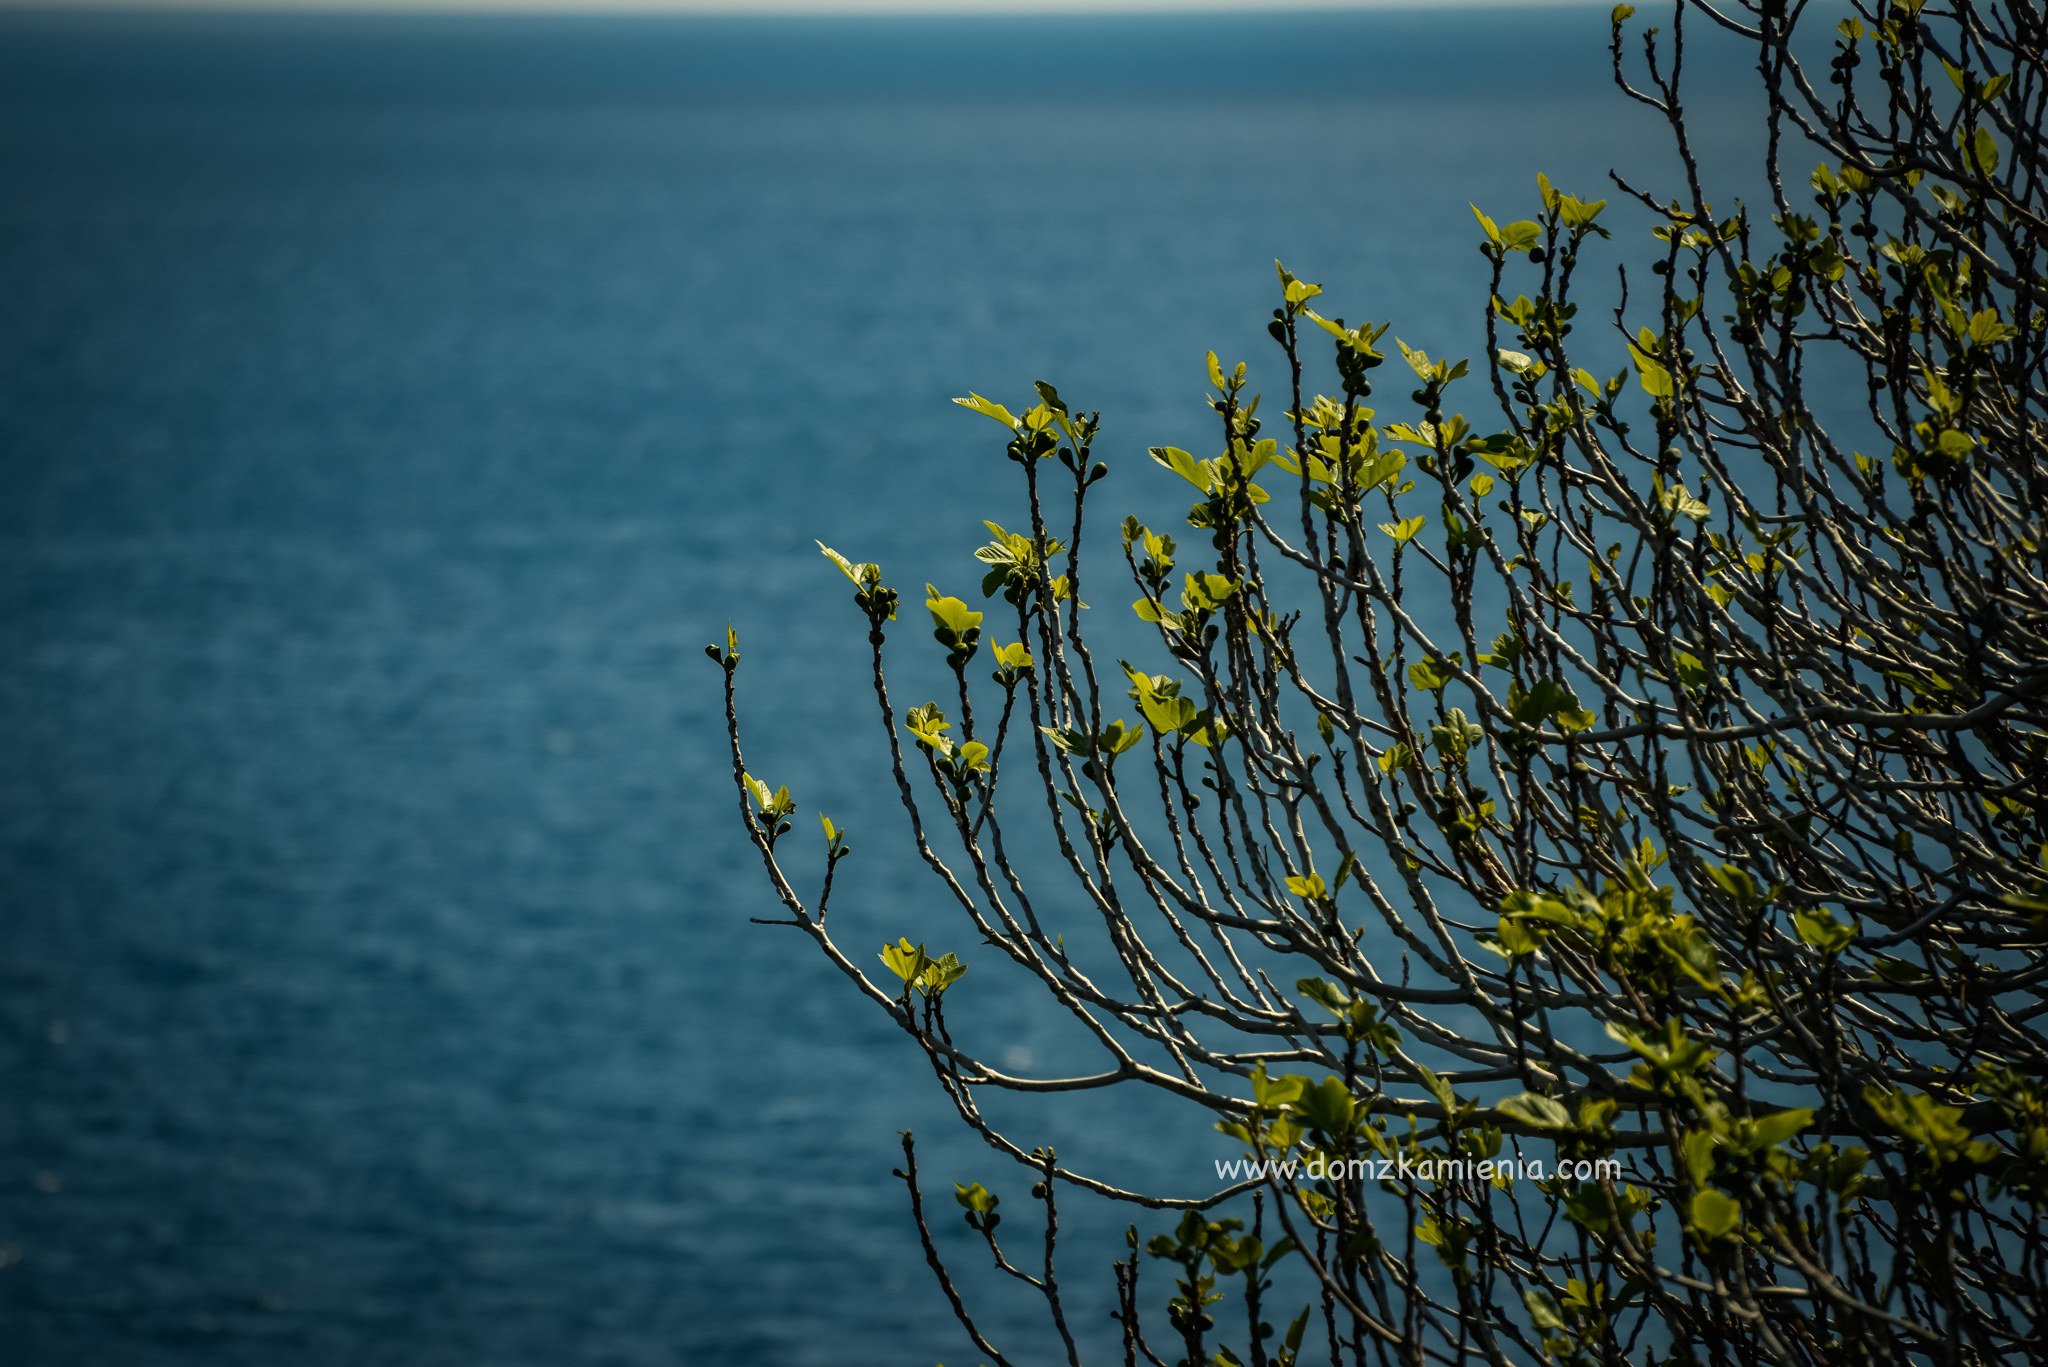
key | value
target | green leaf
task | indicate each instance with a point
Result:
(1818, 929)
(1271, 1093)
(1588, 1208)
(864, 575)
(1418, 359)
(1323, 995)
(1650, 372)
(1521, 235)
(1347, 866)
(1986, 329)
(1110, 742)
(1580, 213)
(1714, 1213)
(1517, 940)
(905, 959)
(1980, 151)
(1540, 701)
(1437, 1087)
(951, 613)
(1432, 674)
(1455, 736)
(989, 409)
(929, 726)
(1924, 1122)
(1327, 1106)
(1012, 659)
(1168, 715)
(1205, 592)
(1542, 1112)
(1405, 530)
(1896, 970)
(1118, 737)
(1295, 291)
(1182, 464)
(1679, 502)
(1776, 1129)
(1543, 1311)
(939, 974)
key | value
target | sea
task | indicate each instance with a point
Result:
(391, 410)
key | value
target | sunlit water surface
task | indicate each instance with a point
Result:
(389, 412)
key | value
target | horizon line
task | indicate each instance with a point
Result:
(807, 9)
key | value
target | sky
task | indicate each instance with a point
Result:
(797, 6)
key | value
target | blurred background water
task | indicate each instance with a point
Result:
(390, 409)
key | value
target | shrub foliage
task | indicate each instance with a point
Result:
(1646, 767)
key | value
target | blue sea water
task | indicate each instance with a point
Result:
(390, 409)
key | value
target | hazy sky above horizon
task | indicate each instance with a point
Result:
(812, 7)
